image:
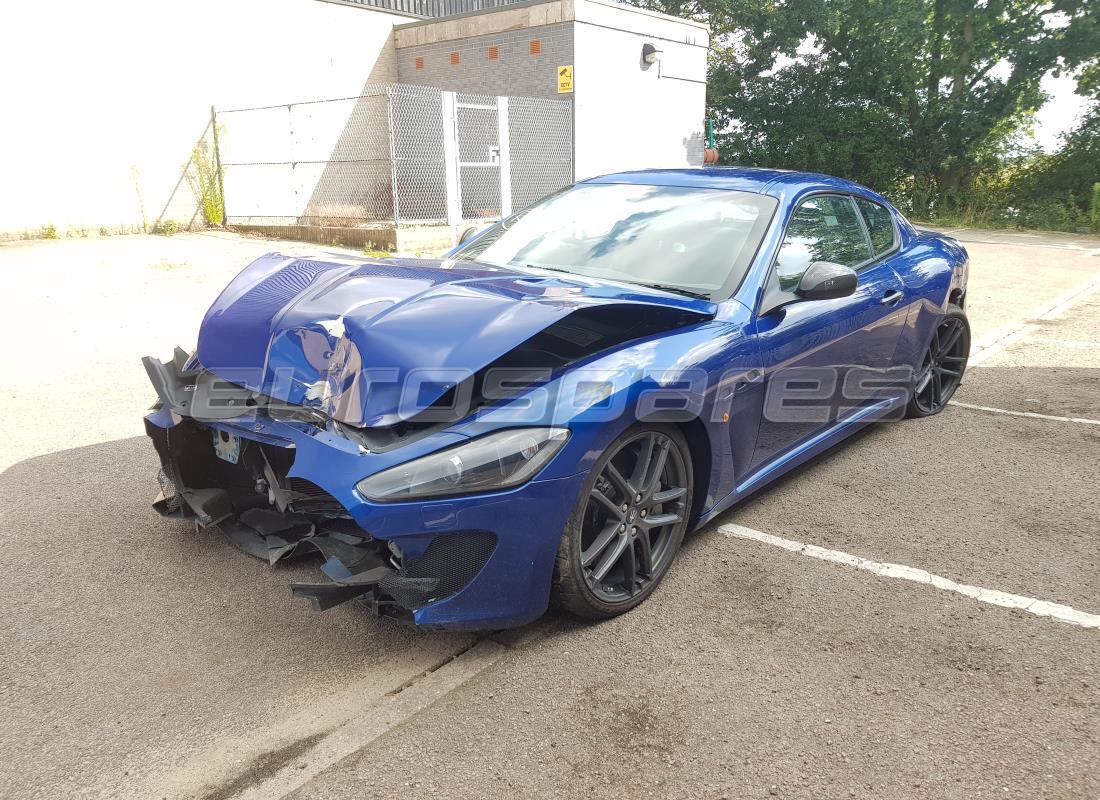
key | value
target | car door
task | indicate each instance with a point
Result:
(811, 348)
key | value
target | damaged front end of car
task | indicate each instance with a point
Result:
(323, 413)
(233, 471)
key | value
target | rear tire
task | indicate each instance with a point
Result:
(627, 525)
(941, 370)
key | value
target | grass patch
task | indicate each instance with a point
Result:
(371, 251)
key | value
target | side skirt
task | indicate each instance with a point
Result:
(813, 446)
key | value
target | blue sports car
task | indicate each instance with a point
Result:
(542, 415)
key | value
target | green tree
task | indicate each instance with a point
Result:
(1058, 190)
(914, 97)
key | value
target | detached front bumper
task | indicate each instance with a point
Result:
(465, 563)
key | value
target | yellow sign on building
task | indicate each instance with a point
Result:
(565, 79)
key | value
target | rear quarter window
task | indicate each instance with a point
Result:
(880, 225)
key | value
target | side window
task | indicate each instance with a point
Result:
(823, 228)
(879, 224)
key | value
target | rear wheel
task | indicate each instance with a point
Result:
(627, 525)
(942, 368)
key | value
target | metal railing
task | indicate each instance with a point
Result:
(433, 8)
(395, 154)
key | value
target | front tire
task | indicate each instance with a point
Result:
(942, 367)
(627, 524)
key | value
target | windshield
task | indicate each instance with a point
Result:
(699, 241)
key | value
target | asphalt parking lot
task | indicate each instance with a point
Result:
(141, 659)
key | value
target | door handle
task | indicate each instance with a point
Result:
(743, 385)
(751, 377)
(891, 298)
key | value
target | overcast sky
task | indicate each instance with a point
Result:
(1060, 114)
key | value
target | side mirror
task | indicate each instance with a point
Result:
(825, 280)
(466, 235)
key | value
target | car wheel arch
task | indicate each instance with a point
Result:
(700, 450)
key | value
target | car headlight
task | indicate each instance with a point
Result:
(497, 461)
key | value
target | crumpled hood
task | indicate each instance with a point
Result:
(344, 336)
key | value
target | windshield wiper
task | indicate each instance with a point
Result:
(550, 269)
(677, 290)
(663, 287)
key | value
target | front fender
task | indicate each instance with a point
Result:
(687, 377)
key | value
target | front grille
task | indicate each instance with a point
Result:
(453, 559)
(309, 497)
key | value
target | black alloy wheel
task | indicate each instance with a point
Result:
(628, 523)
(942, 368)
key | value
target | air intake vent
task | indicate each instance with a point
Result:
(311, 498)
(453, 559)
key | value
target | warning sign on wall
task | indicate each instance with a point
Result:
(565, 79)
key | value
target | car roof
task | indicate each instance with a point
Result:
(779, 183)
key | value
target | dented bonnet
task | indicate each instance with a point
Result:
(344, 337)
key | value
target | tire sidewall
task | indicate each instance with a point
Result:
(570, 590)
(953, 311)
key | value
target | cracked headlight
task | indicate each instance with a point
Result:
(497, 461)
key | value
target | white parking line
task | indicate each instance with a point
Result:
(1032, 605)
(1067, 342)
(1001, 339)
(1067, 301)
(981, 352)
(373, 722)
(325, 736)
(1030, 414)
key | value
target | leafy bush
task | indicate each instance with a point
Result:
(204, 182)
(1053, 214)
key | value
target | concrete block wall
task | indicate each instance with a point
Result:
(626, 114)
(515, 70)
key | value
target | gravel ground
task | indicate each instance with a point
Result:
(141, 659)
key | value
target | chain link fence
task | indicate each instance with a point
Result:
(541, 155)
(396, 154)
(417, 135)
(196, 198)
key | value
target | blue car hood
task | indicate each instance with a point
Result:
(343, 336)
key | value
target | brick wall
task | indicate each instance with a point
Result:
(525, 65)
